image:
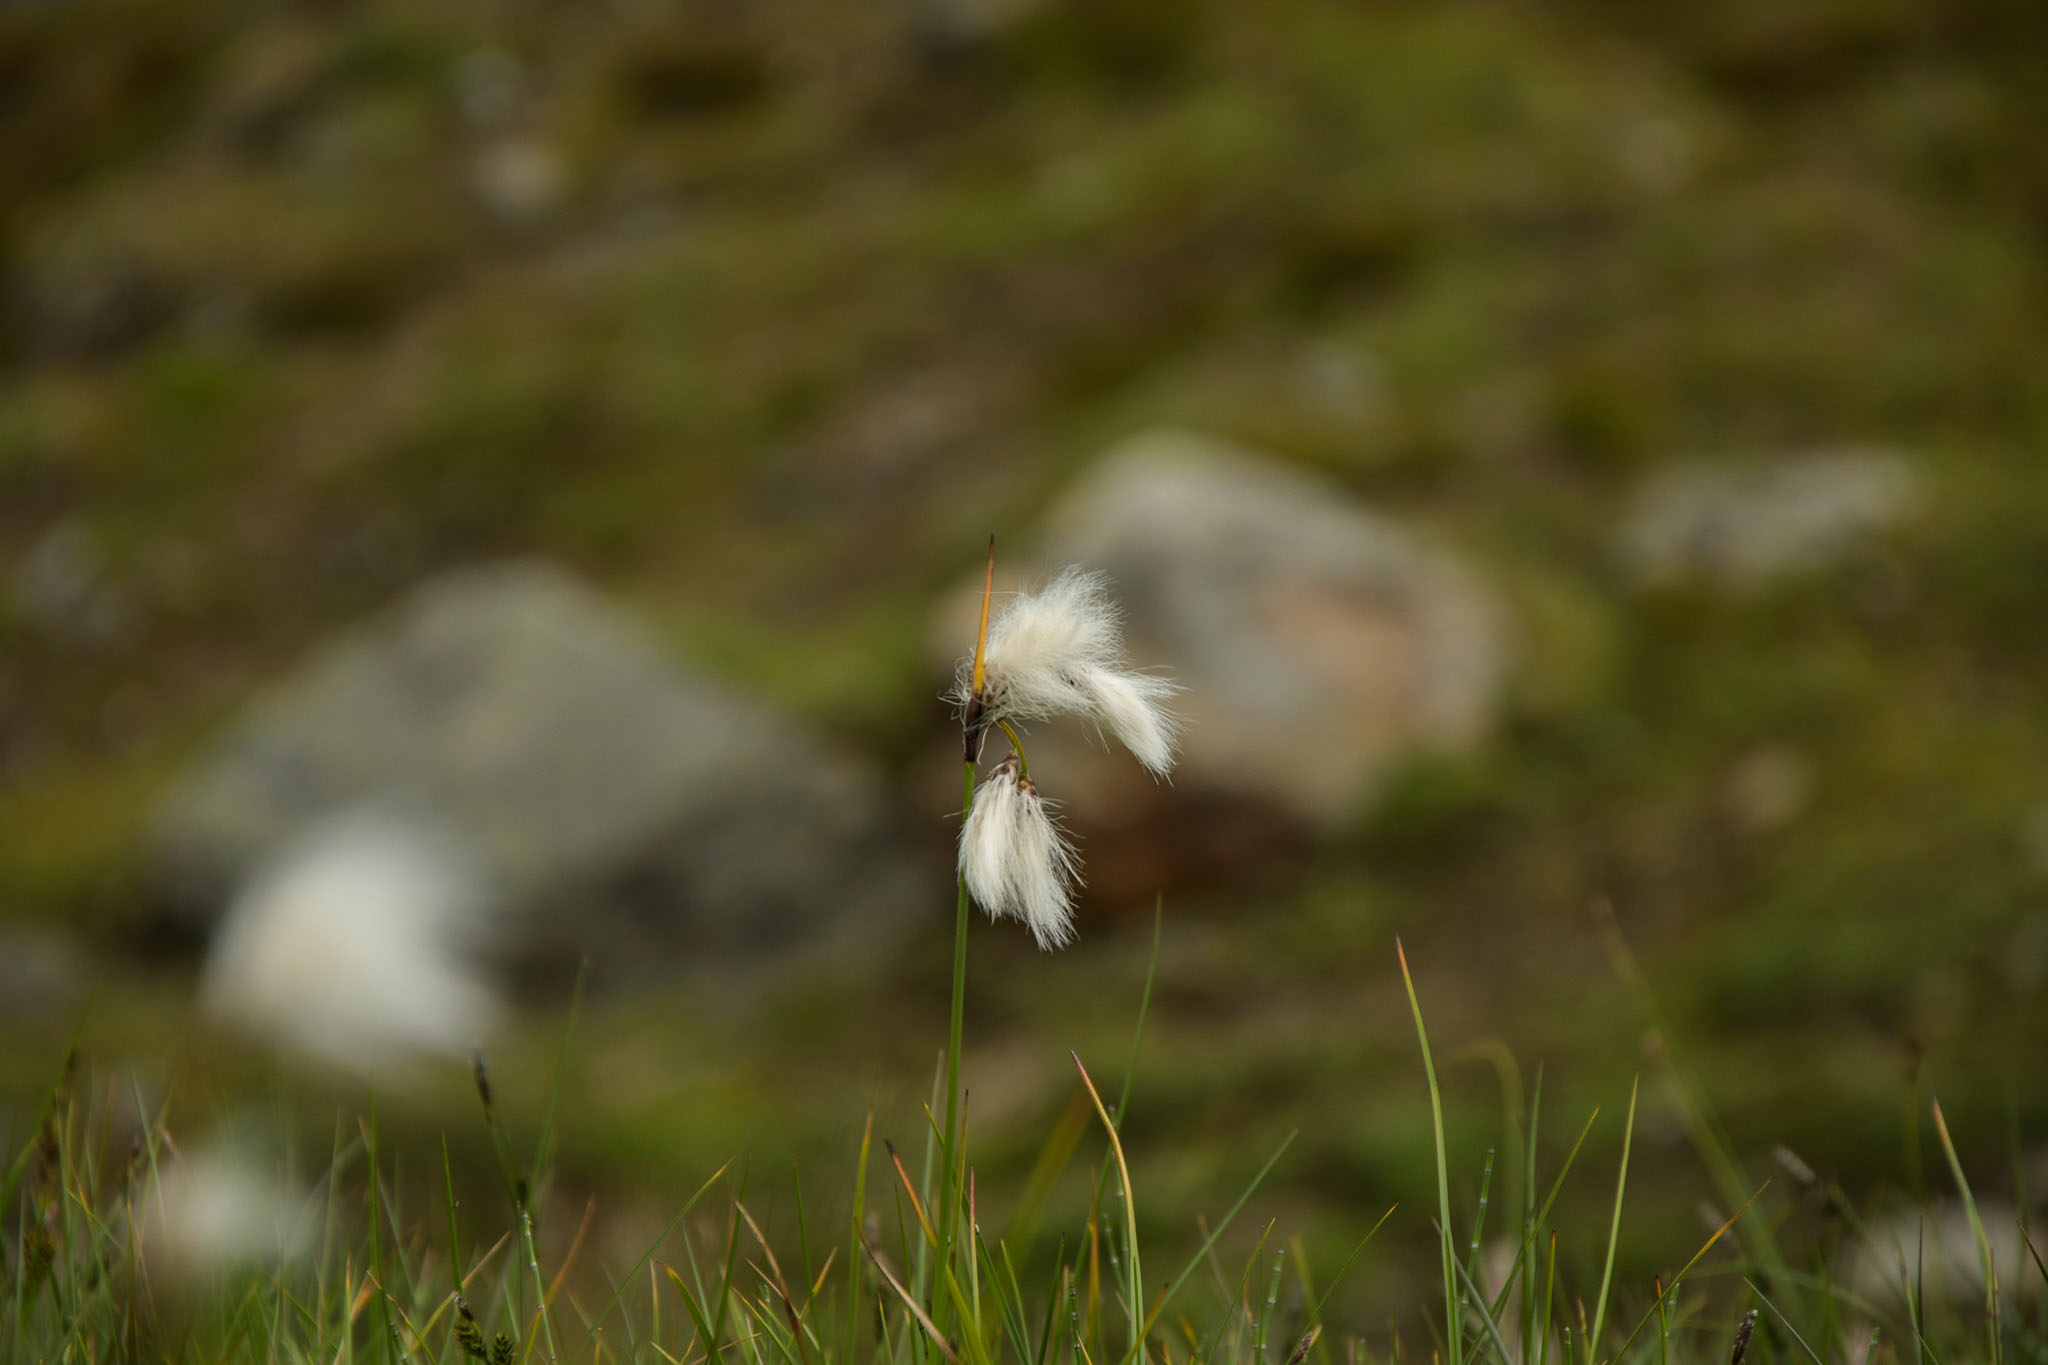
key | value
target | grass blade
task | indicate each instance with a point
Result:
(859, 1218)
(1134, 1281)
(1784, 1322)
(1628, 1133)
(1955, 1166)
(1485, 1318)
(1453, 1335)
(1173, 1286)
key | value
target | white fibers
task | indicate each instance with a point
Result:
(1015, 860)
(1060, 651)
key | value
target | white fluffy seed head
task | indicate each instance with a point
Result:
(1016, 861)
(1047, 873)
(1040, 644)
(1133, 707)
(987, 839)
(1060, 651)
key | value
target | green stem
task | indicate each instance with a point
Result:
(948, 1181)
(1017, 748)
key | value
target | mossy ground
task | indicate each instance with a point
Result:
(816, 300)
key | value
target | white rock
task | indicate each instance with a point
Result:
(1938, 1248)
(357, 946)
(1742, 524)
(619, 805)
(214, 1210)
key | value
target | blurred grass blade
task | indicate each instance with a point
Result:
(1485, 1318)
(647, 1256)
(1955, 1166)
(1123, 1098)
(1237, 1310)
(1453, 1334)
(1628, 1133)
(859, 1218)
(698, 1320)
(1784, 1322)
(931, 1236)
(1173, 1286)
(1134, 1280)
(1667, 1292)
(1053, 1159)
(544, 1146)
(1316, 1314)
(917, 1313)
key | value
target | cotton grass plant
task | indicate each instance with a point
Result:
(1052, 653)
(908, 1273)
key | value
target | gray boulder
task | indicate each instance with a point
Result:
(1319, 643)
(1742, 524)
(615, 804)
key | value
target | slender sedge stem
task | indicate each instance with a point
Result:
(1017, 748)
(947, 1191)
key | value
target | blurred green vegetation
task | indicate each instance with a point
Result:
(763, 315)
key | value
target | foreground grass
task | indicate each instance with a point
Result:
(379, 1262)
(1551, 249)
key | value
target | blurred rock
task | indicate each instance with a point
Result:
(1341, 382)
(210, 1211)
(492, 88)
(39, 973)
(56, 581)
(1937, 1250)
(615, 804)
(1739, 525)
(518, 181)
(947, 32)
(1657, 154)
(1319, 643)
(2024, 959)
(2033, 837)
(268, 84)
(357, 945)
(1767, 788)
(64, 586)
(77, 301)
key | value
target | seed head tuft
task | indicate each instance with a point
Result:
(1016, 860)
(1060, 651)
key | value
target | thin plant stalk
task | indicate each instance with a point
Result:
(1955, 1166)
(1453, 1333)
(1628, 1133)
(950, 1157)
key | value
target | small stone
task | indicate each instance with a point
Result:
(1342, 382)
(1743, 525)
(218, 1209)
(64, 586)
(39, 973)
(1768, 788)
(491, 88)
(1940, 1245)
(517, 181)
